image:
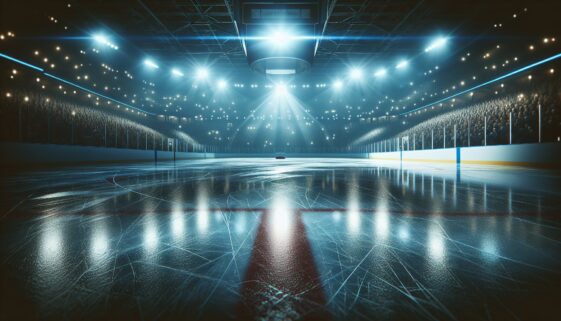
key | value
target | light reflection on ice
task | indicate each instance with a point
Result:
(353, 222)
(403, 232)
(99, 243)
(79, 249)
(281, 217)
(177, 222)
(435, 244)
(336, 216)
(202, 210)
(489, 248)
(52, 242)
(150, 233)
(353, 205)
(241, 223)
(382, 221)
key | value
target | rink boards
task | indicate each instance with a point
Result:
(534, 155)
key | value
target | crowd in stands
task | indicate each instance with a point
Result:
(39, 109)
(34, 118)
(487, 122)
(322, 116)
(535, 114)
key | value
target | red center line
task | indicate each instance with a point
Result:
(343, 210)
(282, 281)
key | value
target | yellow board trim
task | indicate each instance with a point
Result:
(447, 161)
(502, 163)
(470, 162)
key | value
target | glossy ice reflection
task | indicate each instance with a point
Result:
(255, 239)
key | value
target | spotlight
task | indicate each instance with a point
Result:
(176, 72)
(280, 89)
(356, 73)
(102, 39)
(402, 64)
(280, 38)
(222, 84)
(202, 73)
(380, 72)
(437, 44)
(150, 64)
(337, 84)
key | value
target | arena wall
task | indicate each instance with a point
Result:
(530, 155)
(36, 154)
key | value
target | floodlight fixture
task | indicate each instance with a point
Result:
(202, 73)
(222, 84)
(176, 72)
(104, 40)
(402, 64)
(150, 64)
(380, 73)
(437, 44)
(355, 73)
(337, 84)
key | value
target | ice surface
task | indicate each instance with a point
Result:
(281, 240)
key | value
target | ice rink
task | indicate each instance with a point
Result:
(343, 239)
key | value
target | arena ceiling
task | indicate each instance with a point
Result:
(179, 30)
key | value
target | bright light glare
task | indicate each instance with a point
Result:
(102, 39)
(436, 44)
(281, 38)
(337, 84)
(380, 72)
(402, 64)
(202, 73)
(151, 64)
(176, 72)
(280, 89)
(280, 71)
(356, 73)
(222, 84)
